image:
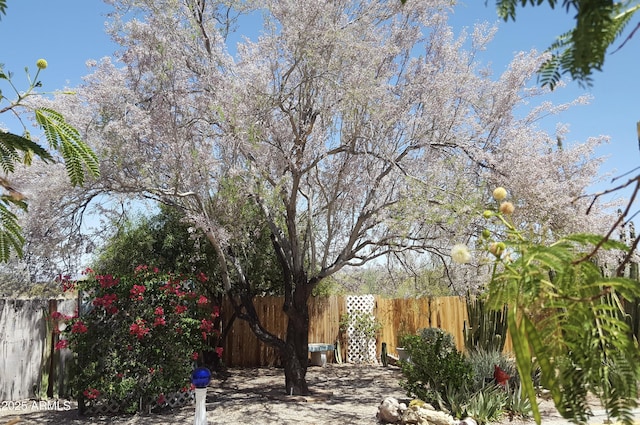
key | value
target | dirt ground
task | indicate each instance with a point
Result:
(342, 394)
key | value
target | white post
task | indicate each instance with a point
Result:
(201, 410)
(200, 379)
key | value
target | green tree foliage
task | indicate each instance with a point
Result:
(165, 241)
(161, 240)
(437, 368)
(567, 318)
(582, 50)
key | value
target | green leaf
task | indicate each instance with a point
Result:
(11, 238)
(523, 359)
(64, 138)
(14, 148)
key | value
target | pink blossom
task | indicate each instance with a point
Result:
(79, 327)
(107, 281)
(139, 329)
(136, 292)
(63, 343)
(91, 393)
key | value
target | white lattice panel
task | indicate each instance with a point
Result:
(359, 348)
(110, 407)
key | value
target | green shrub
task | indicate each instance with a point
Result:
(437, 368)
(139, 337)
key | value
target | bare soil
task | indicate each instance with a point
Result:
(342, 394)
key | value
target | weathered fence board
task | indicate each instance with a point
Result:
(29, 367)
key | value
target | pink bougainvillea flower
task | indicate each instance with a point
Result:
(91, 393)
(159, 321)
(202, 277)
(181, 309)
(139, 328)
(79, 327)
(107, 281)
(206, 325)
(159, 311)
(106, 301)
(195, 355)
(56, 315)
(219, 351)
(141, 268)
(136, 292)
(216, 312)
(63, 343)
(161, 400)
(202, 300)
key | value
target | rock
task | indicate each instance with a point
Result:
(390, 410)
(468, 421)
(419, 415)
(436, 417)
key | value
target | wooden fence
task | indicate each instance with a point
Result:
(29, 367)
(397, 317)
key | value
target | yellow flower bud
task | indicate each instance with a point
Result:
(499, 193)
(487, 214)
(41, 64)
(486, 233)
(507, 208)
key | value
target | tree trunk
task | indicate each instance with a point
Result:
(295, 352)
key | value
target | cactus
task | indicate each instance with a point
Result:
(383, 355)
(486, 329)
(632, 307)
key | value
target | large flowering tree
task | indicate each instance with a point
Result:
(353, 130)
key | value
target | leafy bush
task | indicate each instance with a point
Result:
(436, 368)
(139, 338)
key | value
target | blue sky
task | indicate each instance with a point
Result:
(69, 32)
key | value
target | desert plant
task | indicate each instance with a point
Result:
(488, 404)
(483, 363)
(486, 328)
(517, 403)
(436, 367)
